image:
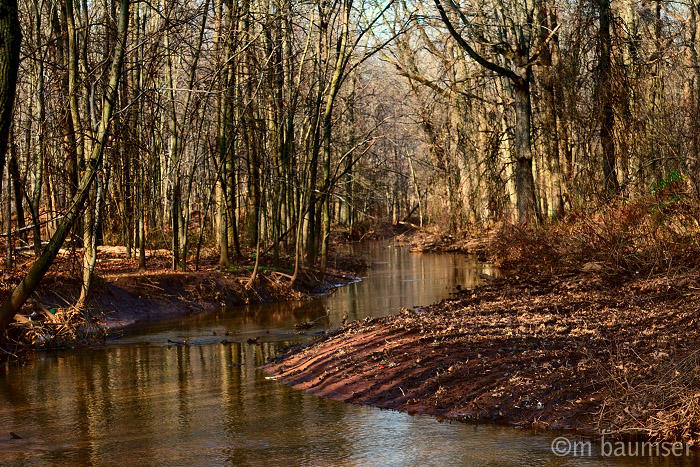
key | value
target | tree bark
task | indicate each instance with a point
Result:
(17, 188)
(605, 91)
(520, 80)
(524, 180)
(8, 222)
(10, 40)
(333, 88)
(21, 292)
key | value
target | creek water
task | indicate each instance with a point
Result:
(145, 400)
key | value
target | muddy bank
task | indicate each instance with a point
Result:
(122, 298)
(423, 240)
(122, 301)
(574, 350)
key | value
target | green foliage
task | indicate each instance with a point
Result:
(670, 181)
(664, 205)
(668, 191)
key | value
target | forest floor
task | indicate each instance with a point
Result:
(123, 298)
(594, 327)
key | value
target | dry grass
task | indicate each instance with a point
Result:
(646, 236)
(53, 328)
(650, 241)
(661, 404)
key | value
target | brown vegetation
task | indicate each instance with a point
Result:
(241, 127)
(123, 297)
(594, 328)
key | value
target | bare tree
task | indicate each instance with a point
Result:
(25, 288)
(10, 40)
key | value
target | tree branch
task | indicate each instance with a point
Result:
(502, 71)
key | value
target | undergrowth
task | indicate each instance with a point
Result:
(664, 404)
(646, 239)
(643, 236)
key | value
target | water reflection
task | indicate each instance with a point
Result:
(396, 278)
(144, 401)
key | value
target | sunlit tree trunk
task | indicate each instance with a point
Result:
(31, 280)
(333, 88)
(520, 80)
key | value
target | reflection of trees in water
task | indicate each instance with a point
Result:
(284, 312)
(405, 280)
(158, 402)
(161, 403)
(267, 315)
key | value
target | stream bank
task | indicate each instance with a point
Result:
(551, 352)
(188, 391)
(123, 299)
(594, 327)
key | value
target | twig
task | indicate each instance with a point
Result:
(9, 353)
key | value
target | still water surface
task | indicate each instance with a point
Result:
(142, 400)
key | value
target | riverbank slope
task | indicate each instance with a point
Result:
(123, 298)
(577, 335)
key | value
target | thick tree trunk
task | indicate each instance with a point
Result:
(222, 231)
(90, 242)
(528, 208)
(10, 39)
(605, 91)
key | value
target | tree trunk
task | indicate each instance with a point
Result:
(142, 221)
(39, 149)
(21, 292)
(528, 209)
(90, 240)
(695, 92)
(550, 113)
(8, 222)
(10, 39)
(605, 91)
(333, 88)
(17, 188)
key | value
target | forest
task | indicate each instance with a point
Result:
(182, 124)
(254, 137)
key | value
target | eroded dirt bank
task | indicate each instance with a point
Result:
(573, 350)
(123, 298)
(121, 301)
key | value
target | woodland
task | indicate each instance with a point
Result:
(256, 128)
